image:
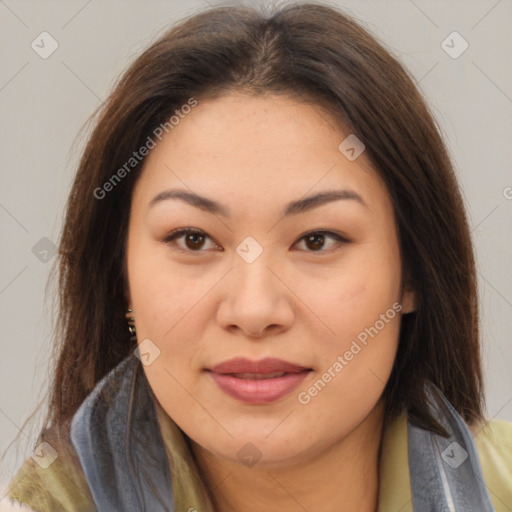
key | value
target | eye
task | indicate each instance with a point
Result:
(193, 239)
(315, 240)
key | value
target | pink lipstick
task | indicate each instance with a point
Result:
(258, 382)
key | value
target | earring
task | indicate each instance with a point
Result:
(131, 324)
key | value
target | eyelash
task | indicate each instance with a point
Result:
(186, 231)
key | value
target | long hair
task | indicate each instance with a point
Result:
(317, 53)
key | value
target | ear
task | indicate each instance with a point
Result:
(408, 300)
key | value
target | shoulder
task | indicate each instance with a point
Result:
(52, 478)
(8, 506)
(493, 441)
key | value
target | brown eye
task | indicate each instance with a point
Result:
(315, 241)
(194, 241)
(191, 240)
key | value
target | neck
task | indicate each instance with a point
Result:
(341, 479)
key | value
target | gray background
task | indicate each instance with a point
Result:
(45, 102)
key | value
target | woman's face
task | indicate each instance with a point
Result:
(274, 272)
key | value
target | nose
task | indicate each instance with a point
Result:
(257, 301)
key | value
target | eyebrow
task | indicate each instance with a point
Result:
(292, 208)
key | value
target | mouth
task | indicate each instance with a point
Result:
(256, 376)
(258, 382)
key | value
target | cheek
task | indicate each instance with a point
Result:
(162, 294)
(361, 312)
(167, 308)
(354, 295)
(354, 369)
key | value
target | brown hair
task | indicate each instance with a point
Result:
(315, 52)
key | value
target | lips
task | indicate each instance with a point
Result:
(257, 376)
(264, 366)
(258, 382)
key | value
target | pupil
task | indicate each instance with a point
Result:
(316, 241)
(195, 244)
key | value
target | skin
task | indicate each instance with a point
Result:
(254, 155)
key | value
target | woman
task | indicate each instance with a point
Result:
(268, 294)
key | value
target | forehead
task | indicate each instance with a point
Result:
(242, 125)
(243, 147)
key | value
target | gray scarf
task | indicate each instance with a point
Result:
(116, 435)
